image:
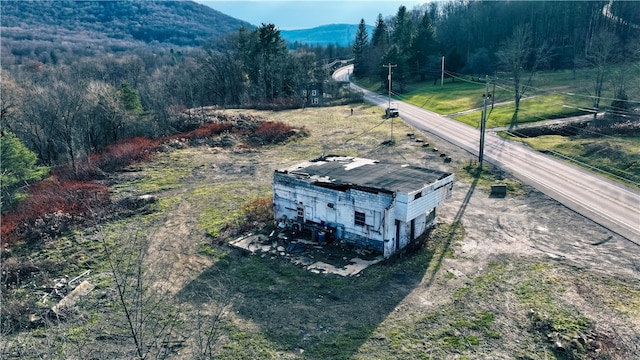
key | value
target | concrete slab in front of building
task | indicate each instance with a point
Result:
(330, 258)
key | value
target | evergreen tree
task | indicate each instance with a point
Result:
(19, 166)
(268, 64)
(401, 37)
(360, 46)
(380, 42)
(130, 98)
(423, 45)
(380, 37)
(402, 30)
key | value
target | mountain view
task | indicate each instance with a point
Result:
(334, 34)
(34, 27)
(29, 27)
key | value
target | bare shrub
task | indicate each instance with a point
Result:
(15, 314)
(271, 132)
(122, 154)
(228, 140)
(212, 129)
(256, 214)
(145, 317)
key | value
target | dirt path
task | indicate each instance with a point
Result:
(173, 256)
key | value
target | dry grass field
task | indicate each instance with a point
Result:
(520, 277)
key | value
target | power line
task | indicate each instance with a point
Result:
(459, 76)
(614, 172)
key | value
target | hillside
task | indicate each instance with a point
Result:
(334, 34)
(35, 27)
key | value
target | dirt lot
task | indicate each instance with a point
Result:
(501, 278)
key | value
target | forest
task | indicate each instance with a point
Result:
(479, 38)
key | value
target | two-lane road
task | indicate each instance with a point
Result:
(607, 203)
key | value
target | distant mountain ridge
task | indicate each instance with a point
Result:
(109, 25)
(333, 34)
(45, 30)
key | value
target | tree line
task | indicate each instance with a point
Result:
(471, 35)
(70, 29)
(62, 112)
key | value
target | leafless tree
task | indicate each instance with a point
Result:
(514, 57)
(599, 55)
(209, 316)
(11, 98)
(53, 122)
(108, 117)
(148, 317)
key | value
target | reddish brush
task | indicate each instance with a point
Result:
(124, 153)
(270, 132)
(70, 198)
(209, 130)
(54, 204)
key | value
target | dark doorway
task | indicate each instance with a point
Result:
(413, 229)
(397, 235)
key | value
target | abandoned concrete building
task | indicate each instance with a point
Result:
(374, 205)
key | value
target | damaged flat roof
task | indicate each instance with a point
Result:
(340, 171)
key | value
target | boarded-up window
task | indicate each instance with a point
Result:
(361, 218)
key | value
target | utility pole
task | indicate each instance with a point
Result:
(389, 105)
(483, 122)
(442, 74)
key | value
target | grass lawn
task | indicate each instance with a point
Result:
(531, 110)
(614, 157)
(450, 98)
(549, 95)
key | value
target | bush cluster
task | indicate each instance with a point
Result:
(124, 153)
(270, 132)
(73, 195)
(256, 214)
(208, 130)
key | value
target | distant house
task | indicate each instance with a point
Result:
(379, 206)
(312, 94)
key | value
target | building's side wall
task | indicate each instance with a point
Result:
(373, 205)
(290, 193)
(333, 208)
(431, 196)
(389, 231)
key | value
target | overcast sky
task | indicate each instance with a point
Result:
(305, 14)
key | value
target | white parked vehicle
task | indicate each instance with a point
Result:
(392, 110)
